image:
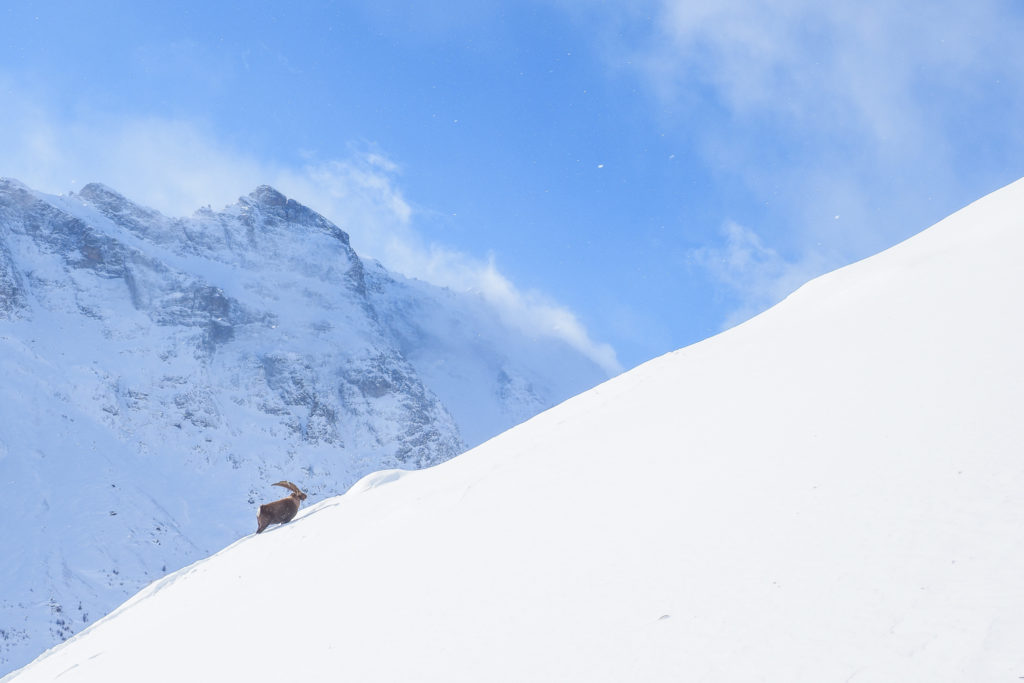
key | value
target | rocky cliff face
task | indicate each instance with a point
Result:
(159, 373)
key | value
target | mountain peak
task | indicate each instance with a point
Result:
(97, 193)
(271, 203)
(13, 182)
(111, 202)
(265, 195)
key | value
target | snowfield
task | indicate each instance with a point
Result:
(832, 491)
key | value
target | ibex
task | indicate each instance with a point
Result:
(280, 511)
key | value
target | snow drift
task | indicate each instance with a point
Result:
(831, 491)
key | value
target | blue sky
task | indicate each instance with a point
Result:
(632, 177)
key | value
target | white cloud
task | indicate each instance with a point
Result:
(178, 166)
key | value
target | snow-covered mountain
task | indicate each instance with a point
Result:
(159, 373)
(831, 491)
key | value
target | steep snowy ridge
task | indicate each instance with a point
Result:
(828, 492)
(160, 372)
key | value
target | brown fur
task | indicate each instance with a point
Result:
(280, 511)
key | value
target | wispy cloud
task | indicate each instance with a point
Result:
(753, 272)
(871, 69)
(173, 166)
(363, 195)
(178, 166)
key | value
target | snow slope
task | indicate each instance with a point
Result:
(832, 491)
